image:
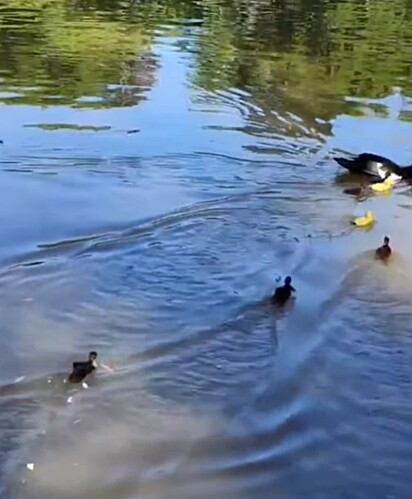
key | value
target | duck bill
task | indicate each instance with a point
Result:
(394, 177)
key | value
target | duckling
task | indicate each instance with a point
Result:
(360, 191)
(283, 293)
(83, 369)
(386, 185)
(364, 221)
(384, 251)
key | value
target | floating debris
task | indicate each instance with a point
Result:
(30, 466)
(85, 385)
(19, 379)
(69, 400)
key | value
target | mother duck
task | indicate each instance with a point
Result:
(375, 166)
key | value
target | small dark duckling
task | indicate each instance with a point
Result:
(283, 293)
(384, 252)
(82, 369)
(360, 191)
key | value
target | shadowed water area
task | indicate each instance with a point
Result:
(162, 163)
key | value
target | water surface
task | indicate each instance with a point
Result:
(161, 165)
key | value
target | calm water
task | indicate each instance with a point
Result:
(162, 163)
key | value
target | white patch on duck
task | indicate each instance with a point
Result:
(381, 172)
(394, 177)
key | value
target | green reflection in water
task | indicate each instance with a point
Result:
(315, 52)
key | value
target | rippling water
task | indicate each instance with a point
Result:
(161, 165)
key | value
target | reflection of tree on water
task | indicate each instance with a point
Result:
(307, 51)
(56, 53)
(136, 78)
(304, 56)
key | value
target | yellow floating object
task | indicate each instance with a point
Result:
(386, 185)
(364, 221)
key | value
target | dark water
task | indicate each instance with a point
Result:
(162, 164)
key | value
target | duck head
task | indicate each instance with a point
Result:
(388, 175)
(383, 171)
(92, 358)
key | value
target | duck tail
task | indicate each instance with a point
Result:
(405, 172)
(346, 163)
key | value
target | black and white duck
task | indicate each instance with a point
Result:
(375, 166)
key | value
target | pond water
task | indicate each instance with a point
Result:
(162, 163)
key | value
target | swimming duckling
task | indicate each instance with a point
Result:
(82, 369)
(360, 191)
(385, 185)
(364, 221)
(283, 293)
(384, 252)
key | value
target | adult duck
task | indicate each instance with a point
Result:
(375, 166)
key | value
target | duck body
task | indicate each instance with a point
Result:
(375, 166)
(283, 293)
(384, 251)
(80, 371)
